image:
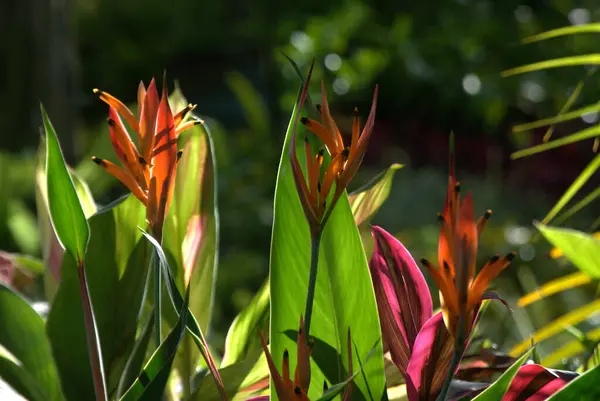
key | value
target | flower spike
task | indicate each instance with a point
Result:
(461, 289)
(345, 160)
(148, 171)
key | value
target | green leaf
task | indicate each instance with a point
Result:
(23, 335)
(20, 380)
(366, 201)
(66, 211)
(344, 293)
(557, 326)
(583, 388)
(554, 286)
(236, 377)
(574, 188)
(587, 59)
(29, 263)
(136, 359)
(580, 248)
(589, 198)
(177, 301)
(569, 30)
(151, 383)
(570, 349)
(587, 133)
(497, 389)
(242, 337)
(562, 117)
(116, 267)
(193, 227)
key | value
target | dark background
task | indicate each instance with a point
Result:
(437, 62)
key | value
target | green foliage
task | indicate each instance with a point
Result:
(344, 293)
(580, 248)
(28, 366)
(66, 212)
(116, 266)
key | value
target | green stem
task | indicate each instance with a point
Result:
(312, 279)
(91, 333)
(157, 296)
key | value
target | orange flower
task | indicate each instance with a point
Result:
(460, 289)
(297, 390)
(345, 160)
(149, 169)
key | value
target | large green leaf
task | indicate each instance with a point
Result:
(136, 359)
(66, 211)
(236, 377)
(580, 248)
(497, 389)
(242, 337)
(193, 226)
(22, 334)
(583, 388)
(344, 293)
(191, 322)
(152, 381)
(116, 265)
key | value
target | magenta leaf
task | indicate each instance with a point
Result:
(430, 361)
(533, 383)
(403, 298)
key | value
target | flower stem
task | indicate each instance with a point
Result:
(157, 296)
(91, 333)
(312, 278)
(456, 357)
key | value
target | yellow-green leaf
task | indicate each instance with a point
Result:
(574, 317)
(66, 212)
(366, 201)
(582, 249)
(554, 286)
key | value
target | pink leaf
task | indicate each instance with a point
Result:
(402, 295)
(533, 383)
(430, 361)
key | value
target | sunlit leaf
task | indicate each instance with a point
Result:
(583, 388)
(568, 30)
(66, 211)
(561, 117)
(582, 249)
(236, 377)
(152, 381)
(587, 59)
(242, 338)
(116, 268)
(497, 389)
(584, 134)
(193, 227)
(136, 358)
(570, 350)
(23, 335)
(555, 286)
(557, 326)
(574, 188)
(191, 322)
(366, 201)
(589, 198)
(344, 292)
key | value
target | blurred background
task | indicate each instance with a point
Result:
(438, 64)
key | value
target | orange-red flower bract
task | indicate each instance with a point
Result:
(460, 288)
(149, 168)
(297, 390)
(345, 160)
